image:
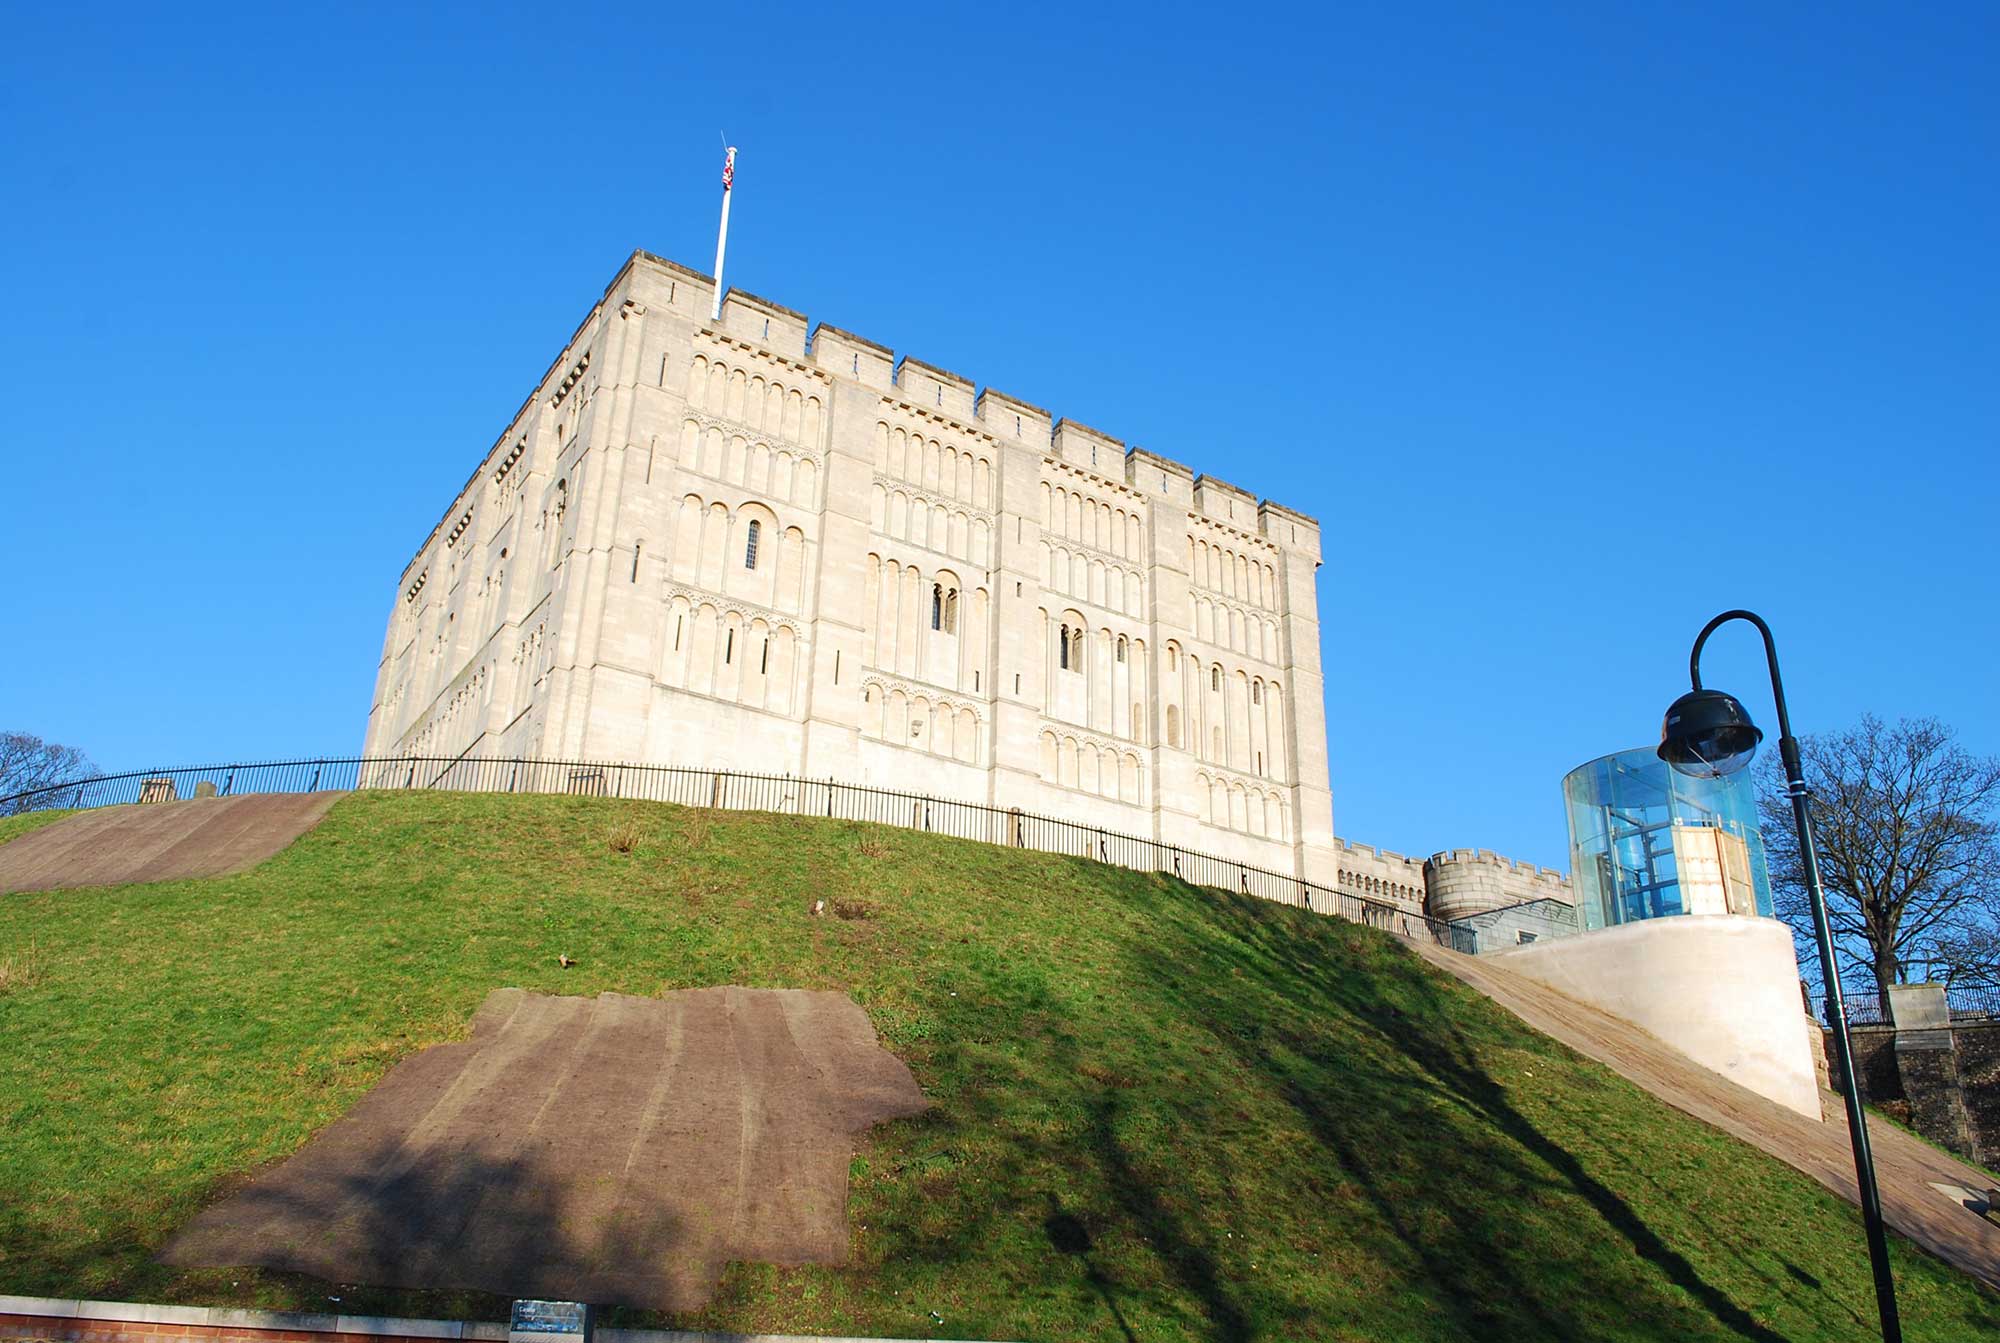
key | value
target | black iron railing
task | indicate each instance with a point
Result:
(736, 791)
(1968, 1002)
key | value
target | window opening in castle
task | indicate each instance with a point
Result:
(1256, 692)
(677, 632)
(637, 546)
(1121, 648)
(750, 546)
(764, 663)
(937, 606)
(836, 666)
(1062, 649)
(729, 648)
(1215, 678)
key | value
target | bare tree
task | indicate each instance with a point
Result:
(1904, 819)
(27, 762)
(1968, 958)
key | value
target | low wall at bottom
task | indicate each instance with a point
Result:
(28, 1319)
(1722, 989)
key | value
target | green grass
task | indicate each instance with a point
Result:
(12, 827)
(1159, 1113)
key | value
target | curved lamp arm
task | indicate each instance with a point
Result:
(1788, 746)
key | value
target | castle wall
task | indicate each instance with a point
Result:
(1462, 882)
(758, 544)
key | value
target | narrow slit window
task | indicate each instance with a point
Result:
(764, 661)
(1215, 678)
(729, 648)
(937, 606)
(750, 544)
(635, 561)
(678, 620)
(836, 666)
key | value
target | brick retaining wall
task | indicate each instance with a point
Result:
(28, 1319)
(1977, 1044)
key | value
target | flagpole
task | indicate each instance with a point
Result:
(722, 233)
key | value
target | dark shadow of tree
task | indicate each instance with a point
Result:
(1496, 1228)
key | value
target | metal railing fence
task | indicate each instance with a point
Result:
(734, 790)
(1968, 1002)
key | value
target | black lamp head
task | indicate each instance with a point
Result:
(1708, 734)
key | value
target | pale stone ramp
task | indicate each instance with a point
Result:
(162, 841)
(616, 1149)
(1907, 1171)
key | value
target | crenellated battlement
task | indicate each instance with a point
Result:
(1463, 882)
(928, 386)
(1451, 884)
(1488, 858)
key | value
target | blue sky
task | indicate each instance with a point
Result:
(1573, 325)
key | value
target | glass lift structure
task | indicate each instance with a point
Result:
(1649, 842)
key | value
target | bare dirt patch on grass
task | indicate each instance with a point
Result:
(167, 841)
(614, 1149)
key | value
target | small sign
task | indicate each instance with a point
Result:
(549, 1322)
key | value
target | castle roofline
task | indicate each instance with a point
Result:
(745, 296)
(944, 374)
(1077, 427)
(1155, 460)
(641, 254)
(1291, 513)
(1013, 400)
(845, 334)
(1217, 483)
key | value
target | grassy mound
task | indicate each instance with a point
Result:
(1159, 1112)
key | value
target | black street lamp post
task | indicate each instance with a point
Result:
(1707, 733)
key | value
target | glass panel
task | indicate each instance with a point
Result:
(1648, 842)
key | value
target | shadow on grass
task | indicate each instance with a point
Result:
(1418, 1168)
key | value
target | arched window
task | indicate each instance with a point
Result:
(1215, 677)
(937, 606)
(1062, 648)
(750, 545)
(1256, 692)
(1121, 648)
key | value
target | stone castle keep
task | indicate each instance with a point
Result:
(758, 544)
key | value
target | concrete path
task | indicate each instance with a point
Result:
(163, 841)
(1905, 1168)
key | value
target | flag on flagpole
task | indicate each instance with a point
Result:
(728, 166)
